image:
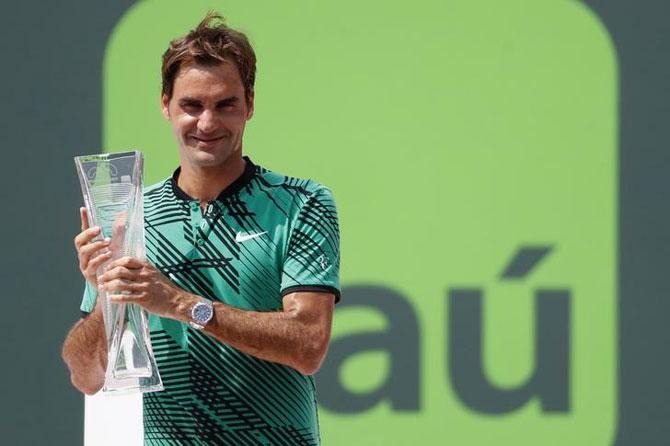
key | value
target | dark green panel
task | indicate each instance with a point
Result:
(642, 37)
(51, 110)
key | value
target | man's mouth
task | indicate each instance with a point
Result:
(207, 140)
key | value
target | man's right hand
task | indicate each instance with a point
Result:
(92, 254)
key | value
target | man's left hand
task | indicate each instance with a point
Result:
(129, 280)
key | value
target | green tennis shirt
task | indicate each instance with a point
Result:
(266, 235)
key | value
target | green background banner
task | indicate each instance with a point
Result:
(488, 189)
(452, 136)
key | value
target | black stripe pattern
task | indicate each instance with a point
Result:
(266, 235)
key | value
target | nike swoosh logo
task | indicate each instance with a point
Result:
(239, 238)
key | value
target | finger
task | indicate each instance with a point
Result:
(119, 286)
(119, 225)
(120, 298)
(97, 261)
(83, 213)
(135, 298)
(127, 262)
(119, 272)
(89, 249)
(86, 236)
(89, 252)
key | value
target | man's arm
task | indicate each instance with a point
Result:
(297, 336)
(85, 352)
(85, 348)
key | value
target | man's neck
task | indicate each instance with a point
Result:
(205, 184)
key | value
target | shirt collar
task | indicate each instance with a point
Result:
(233, 188)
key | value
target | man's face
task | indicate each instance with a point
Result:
(208, 112)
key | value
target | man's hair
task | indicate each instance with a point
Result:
(210, 43)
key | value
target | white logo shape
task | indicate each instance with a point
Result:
(240, 237)
(323, 261)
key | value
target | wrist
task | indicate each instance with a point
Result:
(184, 302)
(202, 314)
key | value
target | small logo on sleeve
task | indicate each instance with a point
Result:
(323, 261)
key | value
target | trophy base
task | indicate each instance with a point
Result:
(125, 388)
(125, 374)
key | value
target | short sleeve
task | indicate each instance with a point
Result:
(312, 261)
(89, 298)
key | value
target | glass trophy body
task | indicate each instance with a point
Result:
(112, 188)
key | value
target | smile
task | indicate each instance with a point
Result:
(207, 140)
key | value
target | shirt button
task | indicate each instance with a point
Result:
(210, 208)
(200, 242)
(203, 225)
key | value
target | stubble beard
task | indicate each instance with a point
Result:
(200, 158)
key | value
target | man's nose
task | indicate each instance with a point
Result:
(207, 122)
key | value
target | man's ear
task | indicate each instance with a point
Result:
(165, 105)
(250, 105)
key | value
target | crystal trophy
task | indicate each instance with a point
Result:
(112, 188)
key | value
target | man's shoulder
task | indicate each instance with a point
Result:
(272, 180)
(155, 189)
(155, 186)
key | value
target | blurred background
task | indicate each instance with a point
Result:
(500, 174)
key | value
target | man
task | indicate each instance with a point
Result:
(242, 270)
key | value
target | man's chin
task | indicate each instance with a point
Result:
(203, 158)
(206, 160)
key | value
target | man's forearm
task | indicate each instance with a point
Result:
(85, 353)
(297, 337)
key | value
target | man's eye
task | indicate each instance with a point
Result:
(191, 108)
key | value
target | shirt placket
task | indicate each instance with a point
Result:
(201, 225)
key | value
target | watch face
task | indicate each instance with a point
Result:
(202, 313)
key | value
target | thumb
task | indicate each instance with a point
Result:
(83, 213)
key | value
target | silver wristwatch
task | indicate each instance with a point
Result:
(201, 314)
